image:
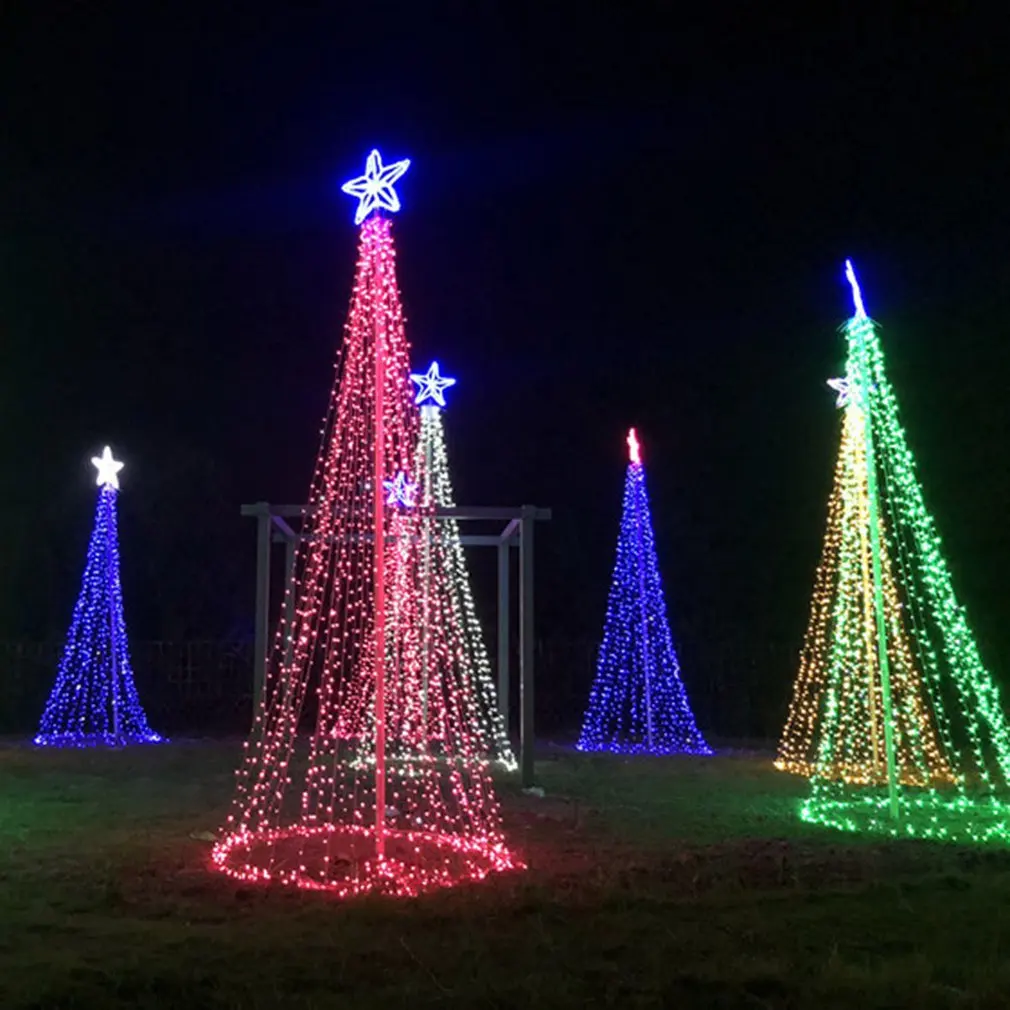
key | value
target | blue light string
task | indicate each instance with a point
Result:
(638, 695)
(94, 701)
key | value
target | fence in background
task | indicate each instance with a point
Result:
(200, 687)
(737, 690)
(206, 686)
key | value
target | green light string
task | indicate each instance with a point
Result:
(961, 652)
(903, 549)
(864, 389)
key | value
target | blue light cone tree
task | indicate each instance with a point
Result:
(638, 704)
(94, 701)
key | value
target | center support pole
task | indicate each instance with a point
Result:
(110, 581)
(868, 617)
(878, 588)
(427, 498)
(380, 599)
(645, 627)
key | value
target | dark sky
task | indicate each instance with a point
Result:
(609, 220)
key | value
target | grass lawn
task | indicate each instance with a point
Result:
(670, 882)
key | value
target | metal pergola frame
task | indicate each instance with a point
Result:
(272, 527)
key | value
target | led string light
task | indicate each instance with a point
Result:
(919, 747)
(450, 579)
(842, 601)
(94, 701)
(638, 704)
(448, 624)
(343, 788)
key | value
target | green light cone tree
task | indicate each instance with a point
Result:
(894, 716)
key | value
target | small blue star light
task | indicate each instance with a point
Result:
(841, 387)
(401, 492)
(431, 385)
(374, 189)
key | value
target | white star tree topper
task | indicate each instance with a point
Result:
(841, 387)
(108, 469)
(431, 385)
(374, 189)
(401, 492)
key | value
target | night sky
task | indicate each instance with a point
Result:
(609, 220)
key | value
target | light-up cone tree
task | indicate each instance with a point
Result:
(638, 704)
(343, 788)
(893, 715)
(447, 606)
(94, 701)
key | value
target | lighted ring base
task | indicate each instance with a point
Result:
(855, 775)
(420, 764)
(643, 750)
(341, 860)
(926, 816)
(94, 740)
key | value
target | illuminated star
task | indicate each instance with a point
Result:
(374, 189)
(841, 387)
(431, 385)
(108, 469)
(401, 492)
(634, 449)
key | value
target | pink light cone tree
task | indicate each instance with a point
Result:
(354, 780)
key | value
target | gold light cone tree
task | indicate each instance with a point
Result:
(843, 603)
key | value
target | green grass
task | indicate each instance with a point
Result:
(676, 882)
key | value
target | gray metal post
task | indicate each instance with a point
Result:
(526, 645)
(261, 631)
(290, 545)
(504, 626)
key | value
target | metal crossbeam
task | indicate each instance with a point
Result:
(464, 512)
(518, 533)
(467, 539)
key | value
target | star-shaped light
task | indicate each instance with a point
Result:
(401, 492)
(841, 387)
(431, 385)
(634, 449)
(374, 189)
(857, 295)
(108, 469)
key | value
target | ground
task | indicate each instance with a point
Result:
(669, 882)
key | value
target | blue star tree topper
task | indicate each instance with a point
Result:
(374, 189)
(431, 385)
